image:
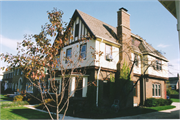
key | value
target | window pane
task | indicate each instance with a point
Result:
(77, 30)
(108, 49)
(153, 89)
(83, 51)
(159, 90)
(156, 90)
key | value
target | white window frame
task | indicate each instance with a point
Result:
(156, 89)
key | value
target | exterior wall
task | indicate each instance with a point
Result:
(136, 69)
(160, 73)
(89, 61)
(100, 46)
(149, 88)
(137, 98)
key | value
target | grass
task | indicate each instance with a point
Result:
(159, 108)
(4, 97)
(22, 113)
(175, 100)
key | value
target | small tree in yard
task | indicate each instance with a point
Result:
(34, 57)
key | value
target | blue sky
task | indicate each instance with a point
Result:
(149, 19)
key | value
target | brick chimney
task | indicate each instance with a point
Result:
(123, 32)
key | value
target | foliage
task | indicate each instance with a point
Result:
(36, 53)
(172, 92)
(152, 102)
(18, 98)
(125, 72)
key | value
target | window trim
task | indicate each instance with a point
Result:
(156, 90)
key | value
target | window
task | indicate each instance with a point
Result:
(158, 65)
(14, 72)
(136, 62)
(108, 52)
(68, 54)
(83, 50)
(54, 85)
(156, 90)
(21, 72)
(29, 87)
(76, 30)
(18, 72)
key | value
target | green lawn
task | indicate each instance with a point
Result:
(22, 113)
(175, 100)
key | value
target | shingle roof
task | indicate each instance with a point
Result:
(99, 28)
(108, 32)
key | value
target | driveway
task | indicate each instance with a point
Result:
(164, 114)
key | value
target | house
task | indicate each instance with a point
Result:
(174, 82)
(16, 80)
(118, 45)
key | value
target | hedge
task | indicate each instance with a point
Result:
(152, 102)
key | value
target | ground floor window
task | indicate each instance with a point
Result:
(54, 85)
(29, 87)
(156, 90)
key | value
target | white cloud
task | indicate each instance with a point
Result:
(9, 43)
(163, 46)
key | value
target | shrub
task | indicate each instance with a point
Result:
(18, 98)
(161, 102)
(151, 102)
(168, 101)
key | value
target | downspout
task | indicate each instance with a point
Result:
(97, 90)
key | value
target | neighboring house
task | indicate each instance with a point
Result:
(174, 82)
(16, 81)
(7, 80)
(111, 41)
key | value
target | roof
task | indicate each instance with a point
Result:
(108, 32)
(99, 28)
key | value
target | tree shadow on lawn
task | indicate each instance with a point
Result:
(31, 114)
(99, 114)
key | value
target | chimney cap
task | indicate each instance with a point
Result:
(123, 9)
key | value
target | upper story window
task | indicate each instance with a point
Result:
(83, 50)
(136, 60)
(158, 65)
(76, 30)
(68, 54)
(109, 53)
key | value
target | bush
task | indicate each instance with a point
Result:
(161, 102)
(18, 98)
(152, 102)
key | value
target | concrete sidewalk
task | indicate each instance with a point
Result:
(164, 114)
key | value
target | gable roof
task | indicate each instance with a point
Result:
(108, 32)
(99, 28)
